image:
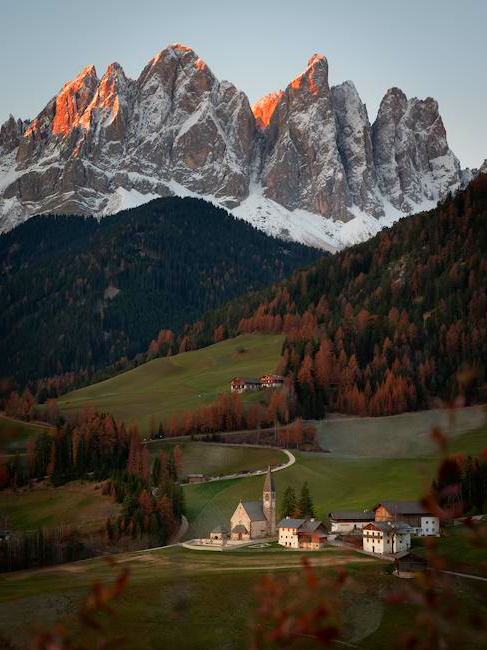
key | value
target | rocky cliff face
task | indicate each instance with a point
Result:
(300, 163)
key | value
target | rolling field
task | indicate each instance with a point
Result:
(185, 381)
(75, 503)
(14, 435)
(404, 435)
(212, 459)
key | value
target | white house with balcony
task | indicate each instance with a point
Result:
(386, 537)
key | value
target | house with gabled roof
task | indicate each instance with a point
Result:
(256, 519)
(423, 522)
(349, 521)
(387, 537)
(302, 533)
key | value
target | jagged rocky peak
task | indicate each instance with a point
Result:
(11, 133)
(107, 111)
(300, 161)
(413, 160)
(264, 107)
(354, 142)
(197, 130)
(302, 165)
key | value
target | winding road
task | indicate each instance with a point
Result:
(258, 472)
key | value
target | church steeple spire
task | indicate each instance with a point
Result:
(269, 481)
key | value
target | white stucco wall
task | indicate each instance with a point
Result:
(288, 537)
(347, 526)
(430, 525)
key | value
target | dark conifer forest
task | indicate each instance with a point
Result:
(79, 294)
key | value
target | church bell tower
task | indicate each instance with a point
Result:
(269, 502)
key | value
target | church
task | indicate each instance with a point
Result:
(254, 519)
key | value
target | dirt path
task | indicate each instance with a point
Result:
(465, 575)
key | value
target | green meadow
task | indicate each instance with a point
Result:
(77, 503)
(174, 384)
(176, 598)
(213, 459)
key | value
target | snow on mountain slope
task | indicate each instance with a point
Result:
(303, 163)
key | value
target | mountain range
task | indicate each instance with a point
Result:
(304, 163)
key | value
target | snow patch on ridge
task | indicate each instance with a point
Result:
(123, 199)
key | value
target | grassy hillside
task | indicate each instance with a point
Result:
(173, 384)
(76, 503)
(404, 435)
(216, 460)
(14, 435)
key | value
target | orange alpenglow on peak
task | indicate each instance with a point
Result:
(265, 107)
(316, 58)
(308, 74)
(180, 47)
(73, 99)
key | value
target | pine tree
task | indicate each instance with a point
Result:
(305, 503)
(289, 502)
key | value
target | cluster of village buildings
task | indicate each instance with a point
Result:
(242, 384)
(385, 530)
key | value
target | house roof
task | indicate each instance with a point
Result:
(390, 526)
(310, 526)
(404, 507)
(254, 510)
(351, 515)
(303, 525)
(240, 528)
(247, 380)
(290, 523)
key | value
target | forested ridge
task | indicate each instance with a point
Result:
(390, 325)
(79, 294)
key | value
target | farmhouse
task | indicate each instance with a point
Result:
(242, 384)
(349, 521)
(386, 537)
(196, 478)
(302, 533)
(271, 381)
(421, 521)
(254, 519)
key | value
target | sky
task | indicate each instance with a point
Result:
(432, 48)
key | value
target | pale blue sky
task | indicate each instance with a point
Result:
(426, 47)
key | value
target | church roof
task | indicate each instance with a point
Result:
(254, 510)
(269, 485)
